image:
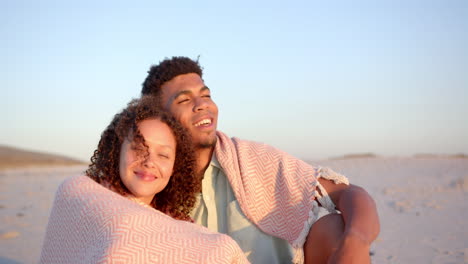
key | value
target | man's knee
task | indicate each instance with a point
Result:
(323, 238)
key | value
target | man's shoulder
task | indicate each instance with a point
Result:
(254, 149)
(243, 141)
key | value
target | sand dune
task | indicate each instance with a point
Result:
(11, 157)
(356, 156)
(421, 202)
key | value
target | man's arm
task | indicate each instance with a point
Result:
(357, 208)
(361, 221)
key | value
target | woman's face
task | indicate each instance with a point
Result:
(145, 178)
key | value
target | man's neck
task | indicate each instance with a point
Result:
(203, 159)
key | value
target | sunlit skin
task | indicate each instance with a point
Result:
(344, 238)
(144, 178)
(188, 98)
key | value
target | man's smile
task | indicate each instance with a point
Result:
(204, 122)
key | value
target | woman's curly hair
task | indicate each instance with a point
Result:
(166, 70)
(178, 198)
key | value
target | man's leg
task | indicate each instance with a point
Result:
(323, 239)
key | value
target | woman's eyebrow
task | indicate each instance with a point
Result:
(160, 145)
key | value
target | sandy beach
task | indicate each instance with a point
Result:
(421, 202)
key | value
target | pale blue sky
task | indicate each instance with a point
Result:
(313, 78)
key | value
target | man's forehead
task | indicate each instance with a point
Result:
(187, 79)
(182, 84)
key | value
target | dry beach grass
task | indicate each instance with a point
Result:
(421, 203)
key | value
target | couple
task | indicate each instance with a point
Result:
(263, 199)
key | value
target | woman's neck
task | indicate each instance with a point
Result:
(142, 201)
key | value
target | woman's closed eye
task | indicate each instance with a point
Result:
(164, 155)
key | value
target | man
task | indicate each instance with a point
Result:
(250, 191)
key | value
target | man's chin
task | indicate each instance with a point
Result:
(209, 143)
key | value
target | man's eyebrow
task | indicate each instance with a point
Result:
(185, 92)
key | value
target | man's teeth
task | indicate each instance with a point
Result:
(203, 122)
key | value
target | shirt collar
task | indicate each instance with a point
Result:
(214, 162)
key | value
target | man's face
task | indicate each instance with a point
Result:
(189, 100)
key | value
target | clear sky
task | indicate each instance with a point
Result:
(316, 79)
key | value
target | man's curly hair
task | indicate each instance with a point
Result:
(166, 70)
(178, 198)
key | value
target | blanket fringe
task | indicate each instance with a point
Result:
(331, 175)
(298, 244)
(325, 201)
(326, 173)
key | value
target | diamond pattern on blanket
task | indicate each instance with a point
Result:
(91, 224)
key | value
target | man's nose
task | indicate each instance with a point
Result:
(200, 104)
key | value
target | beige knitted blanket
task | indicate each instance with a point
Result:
(275, 191)
(91, 224)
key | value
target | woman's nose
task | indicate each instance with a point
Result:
(150, 161)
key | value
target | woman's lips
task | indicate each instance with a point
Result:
(145, 176)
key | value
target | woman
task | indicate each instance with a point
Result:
(144, 161)
(134, 161)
